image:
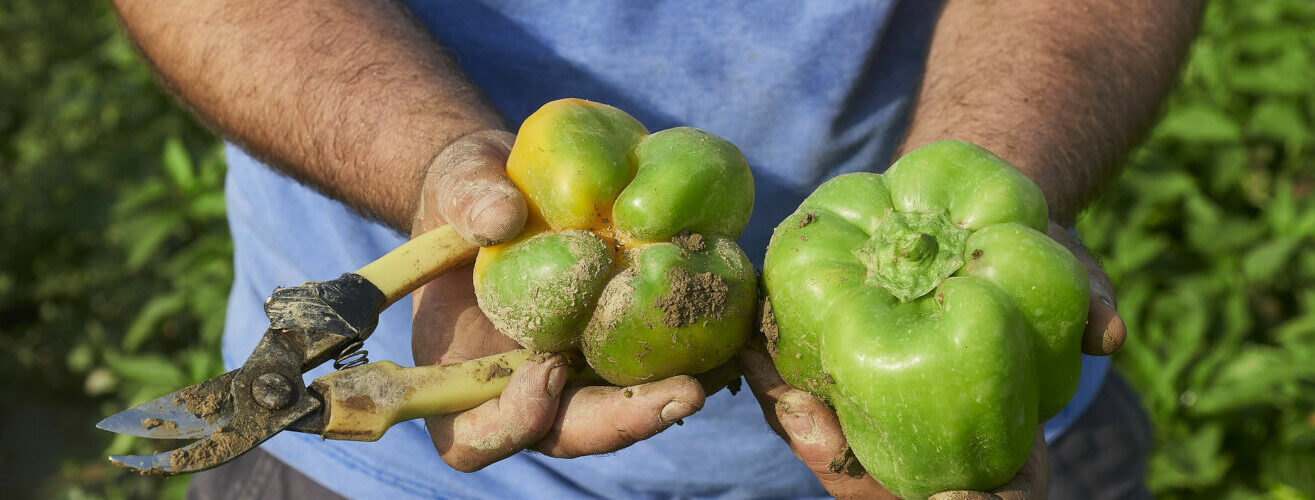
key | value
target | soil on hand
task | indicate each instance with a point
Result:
(692, 297)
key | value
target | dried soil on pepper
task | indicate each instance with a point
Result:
(692, 297)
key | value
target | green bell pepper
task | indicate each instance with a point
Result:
(629, 251)
(928, 306)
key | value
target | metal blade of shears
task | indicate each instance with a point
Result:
(226, 442)
(189, 413)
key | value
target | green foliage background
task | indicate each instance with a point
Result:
(115, 262)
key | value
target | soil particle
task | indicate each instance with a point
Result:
(689, 243)
(807, 219)
(202, 405)
(828, 378)
(151, 423)
(692, 297)
(846, 463)
(735, 385)
(223, 443)
(614, 301)
(497, 370)
(769, 328)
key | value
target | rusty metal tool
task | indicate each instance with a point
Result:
(311, 324)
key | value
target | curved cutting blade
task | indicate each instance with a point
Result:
(223, 444)
(190, 413)
(242, 432)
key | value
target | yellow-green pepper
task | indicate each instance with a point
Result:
(629, 251)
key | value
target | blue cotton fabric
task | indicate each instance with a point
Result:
(807, 90)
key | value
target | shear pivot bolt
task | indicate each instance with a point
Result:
(273, 391)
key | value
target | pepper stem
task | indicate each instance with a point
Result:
(924, 246)
(911, 253)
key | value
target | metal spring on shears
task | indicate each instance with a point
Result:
(352, 355)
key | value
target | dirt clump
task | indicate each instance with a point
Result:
(200, 403)
(152, 423)
(692, 297)
(807, 219)
(846, 463)
(497, 370)
(769, 328)
(223, 443)
(689, 243)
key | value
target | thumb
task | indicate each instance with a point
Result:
(467, 186)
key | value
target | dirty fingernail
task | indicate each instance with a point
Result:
(496, 216)
(1115, 333)
(556, 380)
(676, 410)
(800, 426)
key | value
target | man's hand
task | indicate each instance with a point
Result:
(812, 430)
(467, 187)
(1105, 331)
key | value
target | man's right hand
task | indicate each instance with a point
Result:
(466, 186)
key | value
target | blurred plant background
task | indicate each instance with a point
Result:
(115, 261)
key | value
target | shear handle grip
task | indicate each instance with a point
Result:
(419, 261)
(361, 403)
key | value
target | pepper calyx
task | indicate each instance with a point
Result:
(910, 253)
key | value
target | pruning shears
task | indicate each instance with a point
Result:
(309, 325)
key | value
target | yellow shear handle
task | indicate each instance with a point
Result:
(361, 403)
(418, 261)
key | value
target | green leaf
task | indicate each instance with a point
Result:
(1267, 261)
(178, 164)
(145, 236)
(1256, 376)
(1289, 75)
(208, 206)
(1281, 120)
(151, 370)
(150, 316)
(1199, 123)
(1189, 459)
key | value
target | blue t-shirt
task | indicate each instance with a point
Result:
(807, 91)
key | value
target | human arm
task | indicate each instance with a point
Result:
(1060, 89)
(356, 100)
(350, 97)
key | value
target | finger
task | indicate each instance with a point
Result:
(813, 432)
(603, 419)
(1105, 331)
(764, 381)
(1030, 484)
(467, 186)
(448, 326)
(523, 414)
(1033, 479)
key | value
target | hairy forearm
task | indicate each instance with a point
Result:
(1061, 89)
(351, 97)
